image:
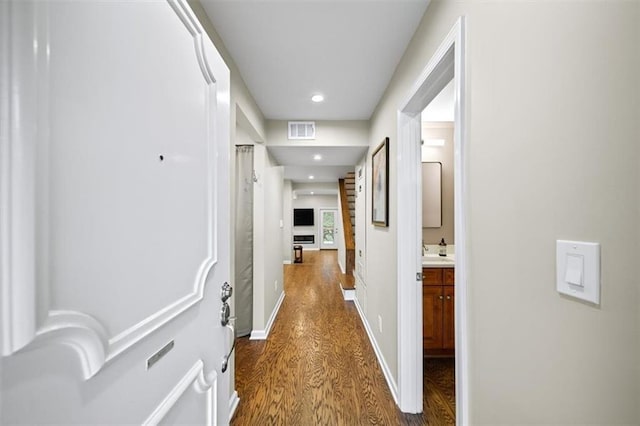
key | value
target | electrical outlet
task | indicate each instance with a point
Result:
(380, 323)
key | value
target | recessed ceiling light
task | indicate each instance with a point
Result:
(312, 192)
(311, 177)
(317, 98)
(317, 157)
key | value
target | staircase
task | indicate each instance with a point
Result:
(348, 209)
(350, 186)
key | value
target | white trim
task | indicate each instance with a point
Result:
(286, 262)
(393, 388)
(409, 271)
(348, 294)
(234, 401)
(447, 61)
(263, 334)
(200, 383)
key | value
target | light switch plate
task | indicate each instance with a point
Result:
(578, 270)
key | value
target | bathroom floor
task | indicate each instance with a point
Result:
(440, 390)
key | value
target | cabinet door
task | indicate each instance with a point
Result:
(449, 275)
(432, 299)
(432, 276)
(448, 327)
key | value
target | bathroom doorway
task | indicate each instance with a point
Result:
(438, 256)
(446, 62)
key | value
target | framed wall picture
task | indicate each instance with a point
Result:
(380, 184)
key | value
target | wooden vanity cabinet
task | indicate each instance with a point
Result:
(438, 327)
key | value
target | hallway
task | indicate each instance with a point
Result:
(317, 366)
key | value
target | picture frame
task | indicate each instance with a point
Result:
(380, 185)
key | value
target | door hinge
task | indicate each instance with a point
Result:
(418, 276)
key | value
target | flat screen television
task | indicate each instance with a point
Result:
(302, 217)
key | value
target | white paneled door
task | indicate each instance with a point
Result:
(114, 215)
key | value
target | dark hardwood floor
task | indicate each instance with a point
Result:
(317, 366)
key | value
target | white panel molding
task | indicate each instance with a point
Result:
(190, 21)
(263, 334)
(18, 287)
(195, 379)
(80, 332)
(393, 387)
(17, 163)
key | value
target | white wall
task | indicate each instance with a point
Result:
(553, 153)
(268, 243)
(328, 133)
(242, 137)
(316, 202)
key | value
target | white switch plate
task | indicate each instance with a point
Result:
(578, 270)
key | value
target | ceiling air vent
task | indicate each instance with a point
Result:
(302, 130)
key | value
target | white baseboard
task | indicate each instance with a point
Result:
(348, 294)
(233, 404)
(286, 262)
(393, 387)
(341, 266)
(262, 334)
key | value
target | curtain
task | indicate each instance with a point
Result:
(244, 240)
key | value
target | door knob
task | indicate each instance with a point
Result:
(226, 292)
(225, 359)
(225, 313)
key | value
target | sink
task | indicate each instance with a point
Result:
(436, 260)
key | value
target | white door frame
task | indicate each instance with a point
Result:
(448, 60)
(335, 228)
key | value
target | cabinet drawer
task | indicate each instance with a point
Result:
(432, 276)
(449, 276)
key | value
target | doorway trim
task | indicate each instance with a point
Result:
(447, 61)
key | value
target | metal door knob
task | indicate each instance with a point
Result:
(225, 313)
(226, 292)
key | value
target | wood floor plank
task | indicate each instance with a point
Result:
(317, 366)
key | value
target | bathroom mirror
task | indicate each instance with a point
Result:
(431, 195)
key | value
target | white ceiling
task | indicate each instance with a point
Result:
(320, 173)
(299, 164)
(288, 50)
(331, 155)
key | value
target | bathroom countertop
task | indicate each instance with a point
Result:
(436, 261)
